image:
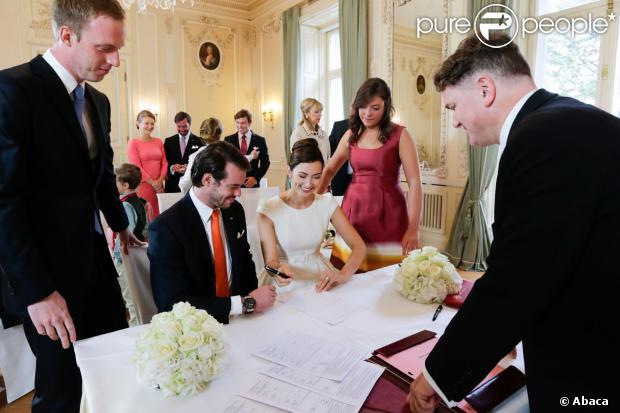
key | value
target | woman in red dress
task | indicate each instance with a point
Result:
(374, 202)
(147, 152)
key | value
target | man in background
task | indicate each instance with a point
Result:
(247, 141)
(178, 148)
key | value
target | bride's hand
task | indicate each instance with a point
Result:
(282, 282)
(329, 279)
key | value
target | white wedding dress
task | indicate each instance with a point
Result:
(299, 234)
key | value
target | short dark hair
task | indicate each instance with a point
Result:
(473, 56)
(370, 88)
(182, 115)
(244, 113)
(76, 13)
(213, 159)
(130, 174)
(305, 151)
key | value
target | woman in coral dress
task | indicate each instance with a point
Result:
(374, 202)
(147, 152)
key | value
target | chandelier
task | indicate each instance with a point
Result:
(158, 4)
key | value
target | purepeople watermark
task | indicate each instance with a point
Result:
(502, 18)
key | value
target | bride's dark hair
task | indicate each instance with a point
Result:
(305, 151)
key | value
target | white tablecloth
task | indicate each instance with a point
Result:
(109, 378)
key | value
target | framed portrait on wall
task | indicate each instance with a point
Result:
(209, 55)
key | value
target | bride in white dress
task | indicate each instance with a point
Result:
(292, 226)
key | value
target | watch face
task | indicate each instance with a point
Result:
(249, 303)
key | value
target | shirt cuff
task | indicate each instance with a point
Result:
(435, 387)
(171, 171)
(236, 308)
(249, 157)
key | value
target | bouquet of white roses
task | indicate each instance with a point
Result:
(426, 276)
(181, 351)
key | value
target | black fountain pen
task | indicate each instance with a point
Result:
(273, 272)
(437, 311)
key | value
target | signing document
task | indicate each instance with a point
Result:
(318, 356)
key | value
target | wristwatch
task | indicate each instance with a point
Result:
(249, 304)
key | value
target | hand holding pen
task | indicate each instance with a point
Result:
(282, 274)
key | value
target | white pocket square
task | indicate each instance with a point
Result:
(240, 234)
(194, 146)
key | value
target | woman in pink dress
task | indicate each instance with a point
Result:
(147, 152)
(374, 202)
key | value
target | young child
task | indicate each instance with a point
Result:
(128, 178)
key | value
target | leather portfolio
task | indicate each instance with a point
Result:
(404, 359)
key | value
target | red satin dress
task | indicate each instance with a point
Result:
(375, 203)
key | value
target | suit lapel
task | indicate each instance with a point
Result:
(99, 129)
(57, 93)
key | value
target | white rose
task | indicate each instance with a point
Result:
(164, 348)
(434, 270)
(181, 309)
(423, 266)
(190, 340)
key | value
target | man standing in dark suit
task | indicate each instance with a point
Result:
(198, 248)
(56, 271)
(342, 178)
(557, 220)
(178, 148)
(246, 141)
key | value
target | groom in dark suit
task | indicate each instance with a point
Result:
(342, 178)
(178, 148)
(198, 248)
(551, 273)
(250, 144)
(55, 268)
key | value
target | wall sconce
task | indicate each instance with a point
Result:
(268, 116)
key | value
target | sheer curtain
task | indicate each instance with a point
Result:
(292, 57)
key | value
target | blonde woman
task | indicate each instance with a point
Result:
(311, 111)
(147, 152)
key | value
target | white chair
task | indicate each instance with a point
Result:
(165, 200)
(138, 276)
(249, 200)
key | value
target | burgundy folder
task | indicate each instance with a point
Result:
(390, 392)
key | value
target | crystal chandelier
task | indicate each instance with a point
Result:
(159, 4)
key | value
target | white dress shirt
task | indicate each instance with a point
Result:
(205, 213)
(70, 84)
(503, 139)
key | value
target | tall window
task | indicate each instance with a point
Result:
(333, 79)
(579, 67)
(321, 73)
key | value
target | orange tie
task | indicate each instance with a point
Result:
(219, 257)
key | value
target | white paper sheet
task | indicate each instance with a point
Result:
(16, 362)
(314, 355)
(327, 306)
(292, 398)
(241, 405)
(353, 389)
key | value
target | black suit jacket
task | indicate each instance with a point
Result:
(550, 269)
(342, 179)
(260, 164)
(49, 188)
(172, 149)
(182, 267)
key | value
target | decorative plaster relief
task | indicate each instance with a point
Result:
(273, 25)
(223, 36)
(42, 19)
